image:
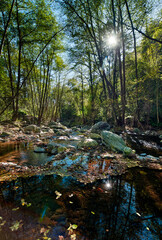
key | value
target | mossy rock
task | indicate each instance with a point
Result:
(115, 143)
(87, 143)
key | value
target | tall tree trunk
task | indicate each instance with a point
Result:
(123, 64)
(91, 87)
(82, 98)
(121, 87)
(15, 114)
(136, 64)
(10, 74)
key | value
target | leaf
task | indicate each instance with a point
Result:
(15, 209)
(16, 225)
(73, 237)
(71, 195)
(74, 226)
(138, 214)
(3, 223)
(92, 212)
(61, 238)
(58, 194)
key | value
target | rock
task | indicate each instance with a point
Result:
(88, 142)
(115, 142)
(39, 150)
(99, 127)
(51, 146)
(5, 134)
(129, 121)
(51, 131)
(127, 151)
(143, 154)
(84, 129)
(107, 155)
(95, 136)
(32, 128)
(63, 138)
(57, 125)
(151, 133)
(61, 149)
(60, 132)
(54, 151)
(137, 131)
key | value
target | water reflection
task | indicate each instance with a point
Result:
(107, 209)
(22, 154)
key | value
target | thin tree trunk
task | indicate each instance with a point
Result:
(136, 64)
(123, 65)
(10, 74)
(15, 114)
(6, 27)
(82, 98)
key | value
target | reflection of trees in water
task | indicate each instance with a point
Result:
(100, 213)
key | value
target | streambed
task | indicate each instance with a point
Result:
(55, 207)
(77, 197)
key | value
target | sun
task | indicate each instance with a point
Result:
(112, 40)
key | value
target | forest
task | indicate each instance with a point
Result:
(80, 119)
(80, 62)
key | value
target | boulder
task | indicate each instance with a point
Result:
(114, 142)
(99, 127)
(5, 134)
(51, 146)
(62, 149)
(32, 128)
(57, 125)
(88, 143)
(60, 132)
(95, 136)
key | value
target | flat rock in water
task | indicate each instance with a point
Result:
(107, 155)
(39, 150)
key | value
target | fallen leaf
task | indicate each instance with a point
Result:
(16, 225)
(15, 209)
(138, 214)
(58, 194)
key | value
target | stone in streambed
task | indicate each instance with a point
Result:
(99, 127)
(95, 136)
(88, 143)
(39, 150)
(115, 143)
(32, 128)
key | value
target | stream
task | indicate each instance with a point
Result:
(58, 207)
(113, 208)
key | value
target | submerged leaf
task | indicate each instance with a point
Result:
(16, 225)
(15, 209)
(58, 194)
